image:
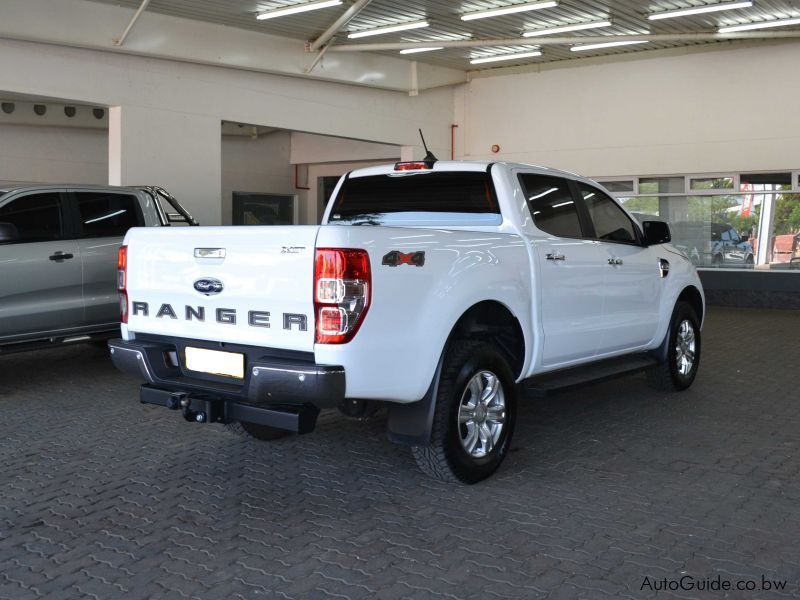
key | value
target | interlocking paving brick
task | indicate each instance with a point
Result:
(102, 497)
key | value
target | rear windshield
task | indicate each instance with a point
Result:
(459, 198)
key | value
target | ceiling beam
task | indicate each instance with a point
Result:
(318, 58)
(587, 39)
(346, 16)
(121, 39)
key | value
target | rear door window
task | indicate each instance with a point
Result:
(104, 214)
(552, 205)
(375, 199)
(36, 217)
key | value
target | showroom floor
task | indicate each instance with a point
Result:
(103, 497)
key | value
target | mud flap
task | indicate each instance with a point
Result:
(411, 423)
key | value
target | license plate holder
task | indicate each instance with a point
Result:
(215, 362)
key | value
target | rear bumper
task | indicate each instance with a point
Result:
(271, 383)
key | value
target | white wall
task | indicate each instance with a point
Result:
(46, 154)
(716, 111)
(179, 151)
(187, 103)
(84, 24)
(309, 148)
(255, 165)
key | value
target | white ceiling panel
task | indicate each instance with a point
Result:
(627, 17)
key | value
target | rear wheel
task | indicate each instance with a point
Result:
(260, 432)
(683, 352)
(474, 416)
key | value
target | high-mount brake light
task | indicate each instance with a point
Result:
(413, 166)
(342, 292)
(122, 282)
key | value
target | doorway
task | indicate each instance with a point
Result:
(264, 209)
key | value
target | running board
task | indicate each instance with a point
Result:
(574, 377)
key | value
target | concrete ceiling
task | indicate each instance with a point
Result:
(627, 17)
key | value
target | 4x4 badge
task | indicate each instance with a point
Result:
(396, 258)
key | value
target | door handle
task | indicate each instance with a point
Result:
(615, 261)
(555, 256)
(59, 256)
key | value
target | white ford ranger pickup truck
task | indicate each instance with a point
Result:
(441, 290)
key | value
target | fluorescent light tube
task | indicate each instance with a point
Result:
(389, 29)
(696, 10)
(499, 57)
(566, 28)
(606, 45)
(297, 8)
(761, 25)
(415, 50)
(508, 10)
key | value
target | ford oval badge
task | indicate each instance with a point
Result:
(208, 286)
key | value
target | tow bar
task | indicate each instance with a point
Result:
(301, 418)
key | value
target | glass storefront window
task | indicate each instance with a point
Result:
(725, 230)
(765, 182)
(711, 183)
(618, 186)
(661, 185)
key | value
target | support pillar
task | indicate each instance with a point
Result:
(180, 152)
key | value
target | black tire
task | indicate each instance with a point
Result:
(260, 432)
(668, 376)
(445, 457)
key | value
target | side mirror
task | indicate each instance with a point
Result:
(656, 232)
(745, 237)
(8, 233)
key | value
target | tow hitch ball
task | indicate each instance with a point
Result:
(183, 402)
(197, 416)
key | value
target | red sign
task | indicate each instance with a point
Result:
(747, 204)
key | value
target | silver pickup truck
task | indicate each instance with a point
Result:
(58, 258)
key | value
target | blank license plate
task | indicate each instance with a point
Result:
(227, 364)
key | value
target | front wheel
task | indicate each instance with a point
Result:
(683, 352)
(474, 415)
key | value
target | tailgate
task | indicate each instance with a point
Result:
(244, 285)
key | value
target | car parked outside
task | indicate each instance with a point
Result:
(58, 258)
(713, 244)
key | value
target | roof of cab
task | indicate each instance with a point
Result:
(464, 165)
(63, 186)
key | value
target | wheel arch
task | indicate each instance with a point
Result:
(411, 423)
(493, 322)
(692, 296)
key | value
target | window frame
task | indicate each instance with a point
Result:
(72, 204)
(67, 223)
(585, 225)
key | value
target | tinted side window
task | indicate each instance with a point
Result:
(37, 217)
(610, 221)
(107, 215)
(552, 205)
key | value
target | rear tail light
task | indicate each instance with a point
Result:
(122, 282)
(342, 292)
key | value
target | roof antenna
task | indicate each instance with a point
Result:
(429, 157)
